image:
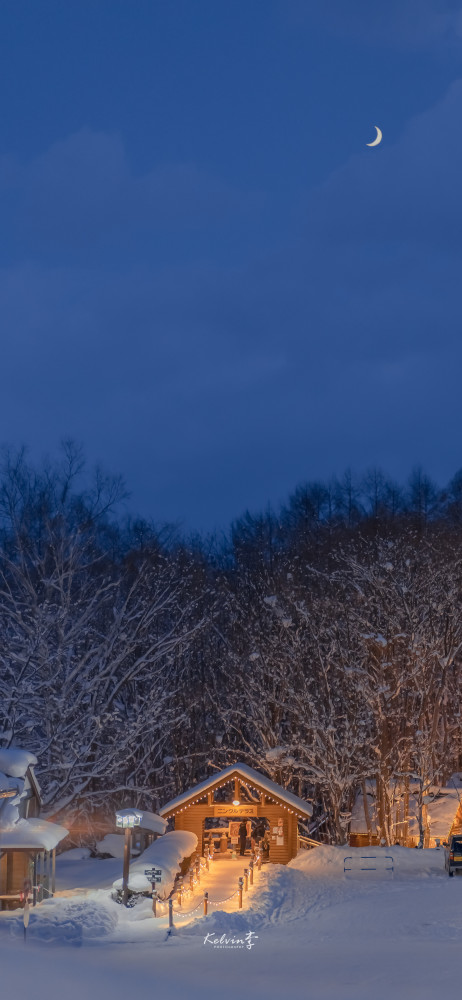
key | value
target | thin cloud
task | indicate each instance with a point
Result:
(411, 24)
(83, 189)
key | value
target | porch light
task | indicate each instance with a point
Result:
(236, 802)
(128, 818)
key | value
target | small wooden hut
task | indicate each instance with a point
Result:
(27, 843)
(239, 792)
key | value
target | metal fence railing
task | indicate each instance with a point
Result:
(368, 868)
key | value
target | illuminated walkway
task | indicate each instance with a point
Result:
(221, 883)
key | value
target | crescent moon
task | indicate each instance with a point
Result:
(377, 139)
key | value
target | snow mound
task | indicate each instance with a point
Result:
(75, 854)
(328, 862)
(166, 853)
(113, 844)
(220, 922)
(322, 860)
(66, 922)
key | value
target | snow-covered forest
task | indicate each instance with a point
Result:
(320, 643)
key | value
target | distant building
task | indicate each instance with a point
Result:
(442, 813)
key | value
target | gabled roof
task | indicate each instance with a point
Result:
(248, 775)
(33, 781)
(14, 762)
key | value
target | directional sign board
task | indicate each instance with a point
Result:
(153, 874)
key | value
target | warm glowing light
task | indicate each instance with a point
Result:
(236, 802)
(128, 818)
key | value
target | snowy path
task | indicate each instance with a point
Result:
(221, 883)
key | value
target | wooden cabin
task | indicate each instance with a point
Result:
(27, 845)
(239, 792)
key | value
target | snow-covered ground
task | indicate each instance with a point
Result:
(317, 933)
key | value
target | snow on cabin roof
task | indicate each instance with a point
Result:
(15, 762)
(248, 774)
(35, 834)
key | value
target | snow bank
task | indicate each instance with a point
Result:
(77, 872)
(75, 854)
(328, 862)
(113, 844)
(166, 853)
(66, 922)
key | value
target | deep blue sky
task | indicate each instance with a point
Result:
(206, 276)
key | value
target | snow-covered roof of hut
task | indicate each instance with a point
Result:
(19, 765)
(249, 776)
(14, 762)
(34, 834)
(16, 775)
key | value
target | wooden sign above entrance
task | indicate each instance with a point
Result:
(227, 809)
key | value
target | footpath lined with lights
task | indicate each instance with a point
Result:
(182, 891)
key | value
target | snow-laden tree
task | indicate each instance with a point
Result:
(404, 606)
(88, 643)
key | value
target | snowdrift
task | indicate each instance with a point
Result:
(166, 853)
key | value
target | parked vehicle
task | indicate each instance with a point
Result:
(453, 853)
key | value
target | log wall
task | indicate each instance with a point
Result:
(193, 818)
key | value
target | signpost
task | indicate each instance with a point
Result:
(153, 875)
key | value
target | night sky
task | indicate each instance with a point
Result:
(207, 278)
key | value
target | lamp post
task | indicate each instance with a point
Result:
(127, 819)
